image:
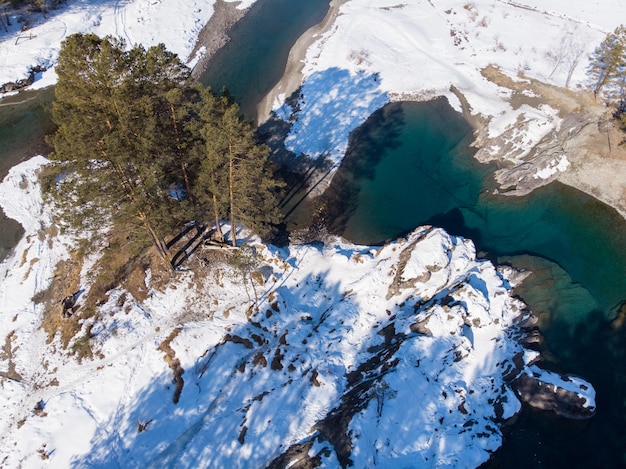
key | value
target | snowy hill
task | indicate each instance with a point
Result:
(402, 354)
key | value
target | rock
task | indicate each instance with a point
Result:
(620, 317)
(531, 337)
(567, 396)
(19, 84)
(527, 321)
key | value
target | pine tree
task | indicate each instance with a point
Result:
(143, 146)
(607, 65)
(213, 161)
(236, 170)
(114, 132)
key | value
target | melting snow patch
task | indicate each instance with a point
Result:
(555, 166)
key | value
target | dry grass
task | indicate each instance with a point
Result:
(173, 363)
(121, 264)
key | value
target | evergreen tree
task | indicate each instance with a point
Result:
(211, 181)
(240, 175)
(144, 147)
(114, 132)
(607, 65)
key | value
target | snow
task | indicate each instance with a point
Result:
(334, 323)
(557, 165)
(333, 102)
(175, 23)
(416, 336)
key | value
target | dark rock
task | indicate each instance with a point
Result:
(548, 396)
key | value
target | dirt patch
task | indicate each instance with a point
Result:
(399, 283)
(173, 363)
(66, 281)
(121, 264)
(594, 146)
(6, 354)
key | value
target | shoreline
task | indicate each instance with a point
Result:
(214, 35)
(292, 77)
(591, 170)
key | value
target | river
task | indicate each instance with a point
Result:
(23, 125)
(254, 59)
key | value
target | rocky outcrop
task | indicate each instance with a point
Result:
(565, 395)
(19, 84)
(549, 157)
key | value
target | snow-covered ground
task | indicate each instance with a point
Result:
(403, 348)
(378, 50)
(175, 23)
(402, 351)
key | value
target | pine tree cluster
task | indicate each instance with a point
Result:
(141, 144)
(607, 70)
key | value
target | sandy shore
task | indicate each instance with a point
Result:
(214, 34)
(292, 78)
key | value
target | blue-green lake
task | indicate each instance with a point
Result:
(410, 165)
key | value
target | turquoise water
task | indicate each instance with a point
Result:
(254, 60)
(410, 165)
(23, 124)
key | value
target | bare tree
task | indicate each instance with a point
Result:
(568, 54)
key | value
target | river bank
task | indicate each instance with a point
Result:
(537, 132)
(292, 77)
(214, 35)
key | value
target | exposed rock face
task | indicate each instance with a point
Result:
(19, 84)
(567, 396)
(548, 159)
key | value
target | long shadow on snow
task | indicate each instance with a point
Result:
(258, 376)
(283, 374)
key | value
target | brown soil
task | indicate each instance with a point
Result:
(118, 266)
(6, 354)
(65, 282)
(173, 363)
(598, 166)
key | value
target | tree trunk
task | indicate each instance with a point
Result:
(157, 242)
(231, 171)
(218, 225)
(179, 153)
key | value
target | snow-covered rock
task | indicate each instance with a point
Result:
(378, 356)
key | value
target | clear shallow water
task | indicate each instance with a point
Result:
(23, 124)
(409, 165)
(254, 59)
